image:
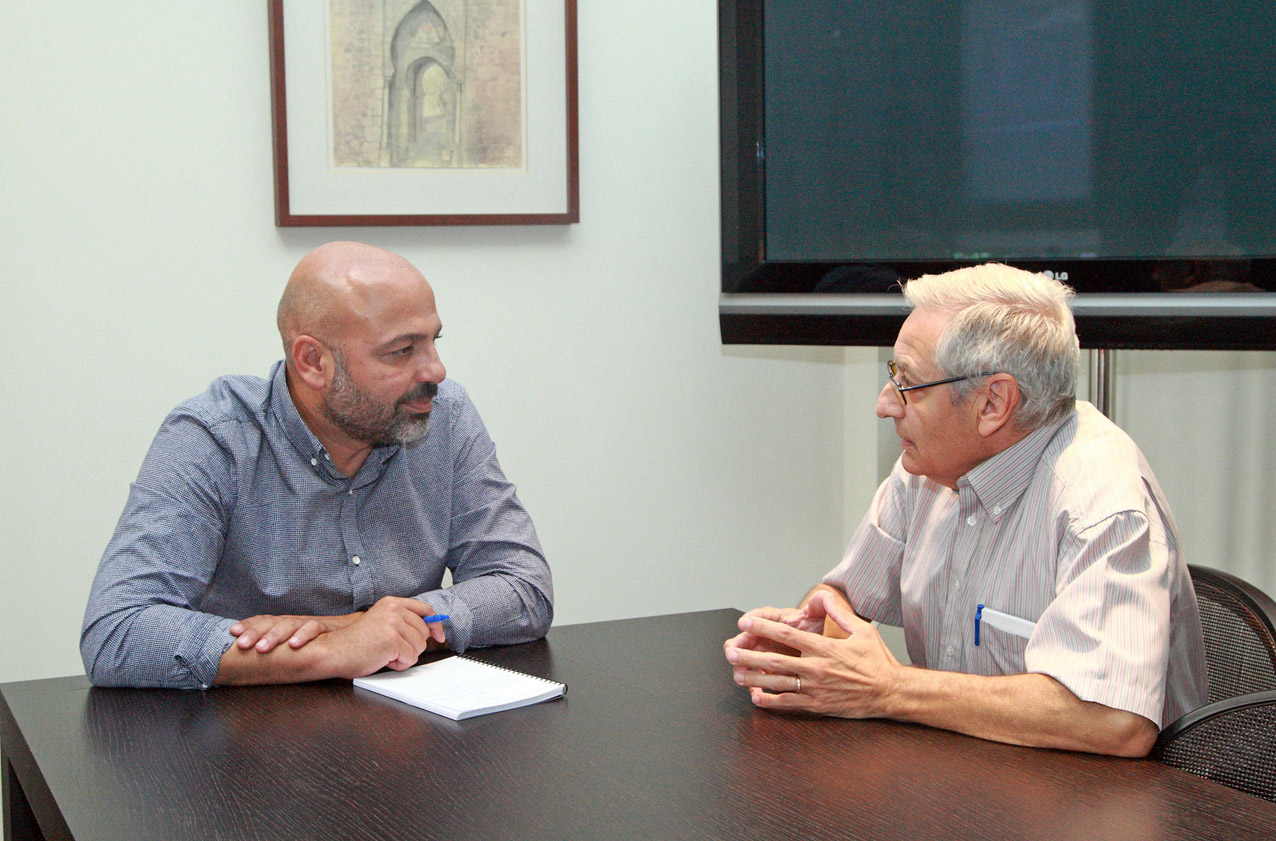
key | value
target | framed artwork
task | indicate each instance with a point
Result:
(424, 112)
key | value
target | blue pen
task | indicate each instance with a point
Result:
(979, 609)
(438, 617)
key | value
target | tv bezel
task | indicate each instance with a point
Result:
(770, 301)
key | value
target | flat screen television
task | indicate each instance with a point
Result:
(1127, 148)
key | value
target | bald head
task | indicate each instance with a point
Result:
(359, 327)
(341, 286)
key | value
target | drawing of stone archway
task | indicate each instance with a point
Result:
(425, 98)
(426, 83)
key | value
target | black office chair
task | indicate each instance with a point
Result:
(1232, 739)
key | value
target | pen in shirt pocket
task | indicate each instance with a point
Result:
(1002, 622)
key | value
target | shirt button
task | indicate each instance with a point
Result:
(996, 510)
(970, 521)
(957, 586)
(355, 560)
(949, 651)
(314, 462)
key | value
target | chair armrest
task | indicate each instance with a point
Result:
(1232, 742)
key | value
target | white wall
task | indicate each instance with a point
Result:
(1207, 423)
(140, 260)
(665, 472)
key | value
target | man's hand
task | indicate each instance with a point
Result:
(811, 616)
(850, 678)
(793, 617)
(264, 632)
(390, 633)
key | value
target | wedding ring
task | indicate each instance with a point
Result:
(799, 689)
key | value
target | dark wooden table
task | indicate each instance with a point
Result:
(653, 741)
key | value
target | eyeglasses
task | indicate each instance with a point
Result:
(890, 366)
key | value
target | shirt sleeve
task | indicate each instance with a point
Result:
(502, 591)
(1106, 634)
(141, 627)
(870, 568)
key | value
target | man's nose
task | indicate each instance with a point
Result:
(889, 404)
(432, 370)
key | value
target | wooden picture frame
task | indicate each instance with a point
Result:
(410, 112)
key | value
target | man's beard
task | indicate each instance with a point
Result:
(354, 412)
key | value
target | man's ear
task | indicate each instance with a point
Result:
(312, 361)
(998, 400)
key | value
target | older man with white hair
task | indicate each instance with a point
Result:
(1021, 540)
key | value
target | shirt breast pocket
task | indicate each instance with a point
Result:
(999, 652)
(1005, 636)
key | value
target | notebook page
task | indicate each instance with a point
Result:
(459, 687)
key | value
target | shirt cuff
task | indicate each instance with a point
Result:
(459, 626)
(198, 657)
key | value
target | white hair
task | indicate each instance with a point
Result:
(1006, 320)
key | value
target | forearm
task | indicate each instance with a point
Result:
(316, 660)
(281, 649)
(319, 659)
(390, 633)
(1030, 709)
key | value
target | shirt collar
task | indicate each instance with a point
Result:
(282, 407)
(999, 481)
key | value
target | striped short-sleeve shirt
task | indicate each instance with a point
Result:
(1068, 530)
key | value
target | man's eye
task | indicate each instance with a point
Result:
(403, 351)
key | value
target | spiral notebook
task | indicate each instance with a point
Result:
(459, 687)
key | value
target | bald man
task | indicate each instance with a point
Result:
(298, 527)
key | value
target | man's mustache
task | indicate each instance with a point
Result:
(425, 391)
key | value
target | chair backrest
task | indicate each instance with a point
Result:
(1239, 624)
(1232, 739)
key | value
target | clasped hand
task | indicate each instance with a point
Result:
(788, 663)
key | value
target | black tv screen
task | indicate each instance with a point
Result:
(1129, 149)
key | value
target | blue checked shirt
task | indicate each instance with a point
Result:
(237, 511)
